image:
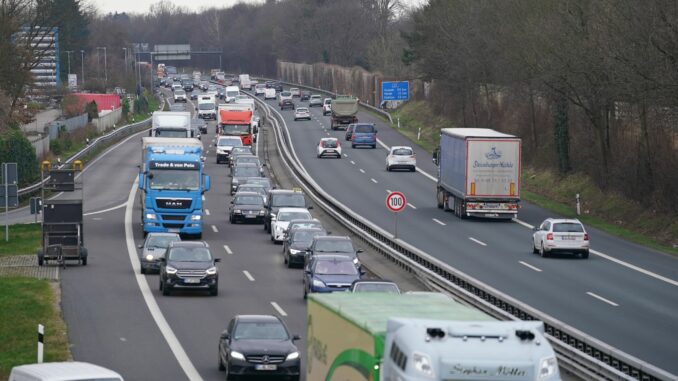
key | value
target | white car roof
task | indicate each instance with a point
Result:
(302, 108)
(564, 220)
(399, 147)
(58, 371)
(228, 138)
(326, 139)
(293, 210)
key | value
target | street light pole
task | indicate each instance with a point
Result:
(68, 54)
(105, 64)
(125, 49)
(82, 65)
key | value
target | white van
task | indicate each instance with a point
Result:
(269, 93)
(231, 93)
(63, 371)
(207, 106)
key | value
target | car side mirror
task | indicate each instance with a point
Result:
(263, 165)
(140, 247)
(196, 109)
(359, 251)
(225, 335)
(310, 207)
(296, 337)
(362, 272)
(536, 229)
(217, 259)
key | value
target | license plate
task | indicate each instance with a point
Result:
(173, 230)
(568, 238)
(330, 150)
(192, 280)
(265, 367)
(251, 216)
(491, 205)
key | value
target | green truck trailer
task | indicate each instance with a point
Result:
(422, 336)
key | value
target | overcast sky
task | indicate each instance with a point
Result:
(142, 6)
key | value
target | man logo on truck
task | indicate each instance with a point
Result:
(493, 154)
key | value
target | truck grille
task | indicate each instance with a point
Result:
(173, 226)
(265, 359)
(173, 217)
(191, 273)
(174, 203)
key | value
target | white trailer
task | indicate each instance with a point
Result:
(171, 124)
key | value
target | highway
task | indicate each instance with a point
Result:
(623, 295)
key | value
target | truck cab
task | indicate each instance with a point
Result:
(207, 106)
(231, 93)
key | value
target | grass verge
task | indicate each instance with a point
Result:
(23, 239)
(611, 213)
(25, 303)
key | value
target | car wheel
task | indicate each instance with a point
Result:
(41, 257)
(165, 289)
(374, 146)
(542, 252)
(585, 254)
(388, 168)
(413, 169)
(143, 270)
(214, 291)
(305, 293)
(352, 145)
(221, 364)
(231, 220)
(534, 248)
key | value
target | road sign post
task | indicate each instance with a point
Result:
(396, 202)
(9, 191)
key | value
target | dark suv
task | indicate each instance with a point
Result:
(189, 265)
(287, 103)
(282, 198)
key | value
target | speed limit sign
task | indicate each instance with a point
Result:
(395, 201)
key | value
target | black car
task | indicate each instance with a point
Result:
(333, 245)
(189, 265)
(270, 84)
(199, 124)
(305, 95)
(246, 159)
(287, 103)
(282, 198)
(247, 206)
(278, 87)
(304, 224)
(255, 345)
(241, 172)
(297, 244)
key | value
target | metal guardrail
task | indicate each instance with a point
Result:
(91, 146)
(578, 353)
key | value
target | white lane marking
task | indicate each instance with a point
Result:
(203, 197)
(228, 250)
(207, 212)
(328, 133)
(634, 267)
(362, 170)
(164, 327)
(277, 308)
(248, 275)
(608, 301)
(345, 155)
(388, 191)
(479, 242)
(439, 222)
(374, 181)
(214, 229)
(97, 218)
(411, 206)
(105, 210)
(352, 162)
(530, 266)
(523, 223)
(430, 177)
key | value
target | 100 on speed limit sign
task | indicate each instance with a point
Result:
(396, 202)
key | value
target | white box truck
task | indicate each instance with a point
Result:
(245, 82)
(230, 93)
(171, 124)
(478, 172)
(422, 336)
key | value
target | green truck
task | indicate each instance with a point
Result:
(344, 111)
(420, 336)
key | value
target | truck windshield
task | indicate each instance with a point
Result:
(172, 179)
(171, 133)
(206, 106)
(232, 93)
(235, 128)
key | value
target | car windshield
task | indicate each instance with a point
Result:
(402, 152)
(193, 254)
(365, 129)
(230, 142)
(308, 224)
(567, 227)
(302, 109)
(179, 92)
(256, 189)
(376, 287)
(289, 216)
(162, 241)
(232, 93)
(260, 331)
(304, 236)
(330, 143)
(293, 200)
(235, 128)
(285, 94)
(174, 179)
(315, 97)
(249, 200)
(263, 181)
(334, 245)
(335, 267)
(206, 106)
(246, 172)
(247, 159)
(241, 150)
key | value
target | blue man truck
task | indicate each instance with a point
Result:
(172, 181)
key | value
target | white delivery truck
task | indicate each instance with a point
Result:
(416, 337)
(230, 93)
(245, 82)
(478, 172)
(269, 93)
(63, 371)
(171, 124)
(207, 106)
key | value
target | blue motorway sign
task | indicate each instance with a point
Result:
(395, 91)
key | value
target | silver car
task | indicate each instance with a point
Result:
(560, 236)
(154, 249)
(302, 113)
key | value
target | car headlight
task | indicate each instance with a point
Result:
(318, 283)
(237, 355)
(292, 251)
(422, 363)
(149, 257)
(196, 217)
(170, 270)
(262, 212)
(292, 356)
(547, 367)
(273, 216)
(211, 271)
(237, 211)
(150, 216)
(356, 261)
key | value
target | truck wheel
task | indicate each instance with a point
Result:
(41, 257)
(83, 256)
(439, 199)
(221, 364)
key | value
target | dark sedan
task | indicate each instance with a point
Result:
(154, 248)
(297, 244)
(258, 345)
(247, 206)
(241, 172)
(287, 103)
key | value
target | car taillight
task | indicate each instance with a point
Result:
(338, 143)
(549, 237)
(322, 143)
(586, 236)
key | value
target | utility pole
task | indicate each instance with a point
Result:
(105, 64)
(68, 54)
(125, 49)
(82, 64)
